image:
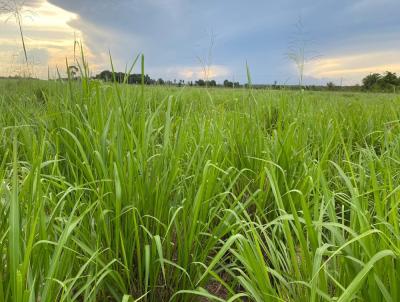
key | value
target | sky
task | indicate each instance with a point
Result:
(343, 40)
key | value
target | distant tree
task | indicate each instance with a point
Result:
(148, 80)
(389, 81)
(212, 83)
(228, 84)
(371, 81)
(330, 85)
(105, 75)
(135, 79)
(200, 82)
(121, 77)
(390, 78)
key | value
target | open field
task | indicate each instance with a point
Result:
(129, 193)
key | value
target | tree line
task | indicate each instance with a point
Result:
(121, 77)
(387, 82)
(375, 82)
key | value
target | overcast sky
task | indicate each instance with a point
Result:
(346, 39)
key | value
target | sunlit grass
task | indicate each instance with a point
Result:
(123, 193)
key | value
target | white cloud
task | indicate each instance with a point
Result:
(49, 39)
(197, 72)
(216, 72)
(353, 67)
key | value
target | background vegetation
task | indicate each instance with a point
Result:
(387, 82)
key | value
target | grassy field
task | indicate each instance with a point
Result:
(128, 193)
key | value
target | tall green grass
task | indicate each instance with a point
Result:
(128, 193)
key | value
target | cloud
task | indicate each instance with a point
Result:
(352, 67)
(48, 38)
(173, 33)
(216, 72)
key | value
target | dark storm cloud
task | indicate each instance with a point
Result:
(173, 32)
